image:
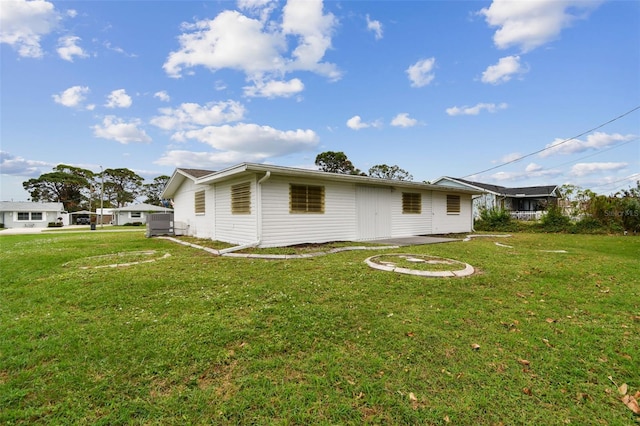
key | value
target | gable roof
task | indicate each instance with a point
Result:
(196, 173)
(27, 206)
(252, 168)
(523, 191)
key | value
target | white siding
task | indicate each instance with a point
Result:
(185, 219)
(280, 227)
(235, 228)
(444, 223)
(406, 225)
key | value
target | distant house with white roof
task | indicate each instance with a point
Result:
(15, 214)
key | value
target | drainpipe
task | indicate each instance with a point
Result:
(264, 178)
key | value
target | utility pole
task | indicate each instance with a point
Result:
(101, 197)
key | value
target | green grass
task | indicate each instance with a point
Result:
(196, 339)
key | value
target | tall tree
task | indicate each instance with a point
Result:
(336, 162)
(383, 171)
(121, 186)
(68, 185)
(152, 191)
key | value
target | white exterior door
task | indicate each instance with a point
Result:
(373, 206)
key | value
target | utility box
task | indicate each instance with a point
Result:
(160, 224)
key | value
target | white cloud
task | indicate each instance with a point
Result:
(503, 70)
(530, 24)
(251, 142)
(403, 120)
(191, 115)
(356, 123)
(421, 73)
(71, 13)
(68, 48)
(257, 48)
(532, 170)
(18, 166)
(162, 95)
(594, 141)
(273, 89)
(72, 97)
(114, 128)
(207, 159)
(24, 23)
(375, 26)
(475, 110)
(118, 99)
(582, 169)
(510, 157)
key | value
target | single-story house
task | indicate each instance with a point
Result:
(135, 213)
(269, 206)
(14, 214)
(528, 202)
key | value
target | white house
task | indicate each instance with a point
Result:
(270, 206)
(527, 202)
(31, 215)
(135, 213)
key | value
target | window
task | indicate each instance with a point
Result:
(411, 203)
(30, 216)
(453, 204)
(241, 198)
(135, 215)
(199, 202)
(306, 199)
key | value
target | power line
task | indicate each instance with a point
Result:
(633, 176)
(596, 153)
(554, 145)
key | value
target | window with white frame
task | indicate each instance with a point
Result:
(33, 216)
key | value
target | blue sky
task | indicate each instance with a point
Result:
(435, 87)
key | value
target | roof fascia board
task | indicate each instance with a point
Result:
(318, 174)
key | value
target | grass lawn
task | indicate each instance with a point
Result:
(183, 337)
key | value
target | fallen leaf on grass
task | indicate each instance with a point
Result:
(475, 347)
(412, 396)
(631, 402)
(550, 320)
(446, 419)
(623, 389)
(546, 342)
(524, 362)
(527, 391)
(410, 334)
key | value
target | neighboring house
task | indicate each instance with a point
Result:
(31, 215)
(527, 202)
(270, 206)
(136, 213)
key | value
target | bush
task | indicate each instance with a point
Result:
(494, 220)
(555, 221)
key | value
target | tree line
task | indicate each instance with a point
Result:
(337, 162)
(82, 189)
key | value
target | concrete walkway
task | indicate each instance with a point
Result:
(414, 241)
